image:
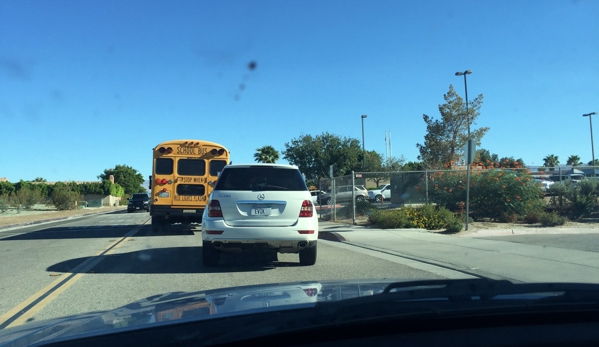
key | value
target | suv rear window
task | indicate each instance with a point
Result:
(261, 178)
(142, 197)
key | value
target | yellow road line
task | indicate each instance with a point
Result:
(51, 291)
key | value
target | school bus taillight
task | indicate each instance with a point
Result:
(163, 181)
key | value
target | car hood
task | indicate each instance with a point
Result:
(182, 306)
(303, 304)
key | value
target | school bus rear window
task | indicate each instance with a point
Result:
(191, 167)
(191, 189)
(164, 166)
(217, 166)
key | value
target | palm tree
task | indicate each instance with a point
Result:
(551, 161)
(596, 163)
(574, 160)
(266, 154)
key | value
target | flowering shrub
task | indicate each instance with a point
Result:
(493, 192)
(500, 193)
(425, 217)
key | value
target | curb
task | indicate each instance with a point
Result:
(51, 220)
(536, 231)
(331, 236)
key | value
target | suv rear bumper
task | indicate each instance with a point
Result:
(283, 239)
(281, 246)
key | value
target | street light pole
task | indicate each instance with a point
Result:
(363, 148)
(590, 115)
(467, 72)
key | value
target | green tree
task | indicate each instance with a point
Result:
(413, 166)
(551, 161)
(373, 162)
(485, 157)
(39, 179)
(313, 155)
(28, 196)
(596, 163)
(64, 197)
(446, 137)
(266, 154)
(574, 160)
(6, 188)
(127, 177)
(378, 169)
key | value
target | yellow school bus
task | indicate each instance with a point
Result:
(183, 174)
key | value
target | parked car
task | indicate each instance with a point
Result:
(545, 183)
(382, 192)
(344, 194)
(315, 194)
(263, 208)
(138, 201)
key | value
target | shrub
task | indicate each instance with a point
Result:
(508, 217)
(426, 217)
(390, 219)
(364, 207)
(27, 197)
(532, 217)
(455, 226)
(501, 194)
(3, 203)
(63, 197)
(550, 219)
(493, 192)
(429, 217)
(576, 200)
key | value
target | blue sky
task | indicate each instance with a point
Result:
(87, 85)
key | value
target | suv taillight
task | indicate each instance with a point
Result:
(307, 209)
(214, 209)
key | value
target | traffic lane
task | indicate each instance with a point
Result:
(25, 254)
(581, 242)
(149, 266)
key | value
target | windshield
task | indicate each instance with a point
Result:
(425, 132)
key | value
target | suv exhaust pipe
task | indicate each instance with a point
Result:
(302, 244)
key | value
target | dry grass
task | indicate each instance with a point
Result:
(11, 217)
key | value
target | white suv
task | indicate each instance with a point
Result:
(381, 192)
(263, 208)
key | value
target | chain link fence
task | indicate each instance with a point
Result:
(382, 190)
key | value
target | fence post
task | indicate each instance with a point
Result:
(334, 202)
(426, 183)
(353, 197)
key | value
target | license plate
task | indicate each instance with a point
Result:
(164, 194)
(260, 211)
(189, 211)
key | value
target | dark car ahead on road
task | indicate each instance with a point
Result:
(139, 201)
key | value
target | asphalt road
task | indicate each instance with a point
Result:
(106, 261)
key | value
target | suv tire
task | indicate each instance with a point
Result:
(210, 256)
(359, 198)
(307, 256)
(378, 198)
